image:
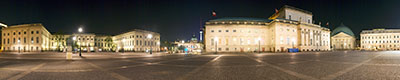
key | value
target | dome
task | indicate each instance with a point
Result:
(344, 29)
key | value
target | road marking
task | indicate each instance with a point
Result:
(302, 76)
(20, 75)
(198, 69)
(334, 75)
(215, 59)
(113, 74)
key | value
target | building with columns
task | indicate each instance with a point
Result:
(343, 38)
(289, 28)
(380, 39)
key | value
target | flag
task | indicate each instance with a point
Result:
(214, 13)
(275, 15)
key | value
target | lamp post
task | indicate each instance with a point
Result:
(80, 30)
(149, 36)
(259, 44)
(216, 45)
(19, 47)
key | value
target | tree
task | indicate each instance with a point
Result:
(110, 44)
(59, 40)
(181, 47)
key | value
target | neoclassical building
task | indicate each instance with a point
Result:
(380, 39)
(138, 40)
(343, 38)
(26, 37)
(35, 37)
(289, 28)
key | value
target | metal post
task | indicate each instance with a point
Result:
(80, 47)
(151, 48)
(216, 47)
(259, 46)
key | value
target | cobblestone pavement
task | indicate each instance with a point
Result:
(337, 65)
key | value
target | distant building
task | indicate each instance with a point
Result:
(343, 38)
(26, 37)
(104, 43)
(138, 40)
(191, 46)
(35, 37)
(380, 39)
(290, 27)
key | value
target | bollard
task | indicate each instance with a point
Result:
(69, 55)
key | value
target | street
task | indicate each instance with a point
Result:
(336, 65)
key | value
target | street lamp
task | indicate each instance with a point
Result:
(80, 30)
(149, 36)
(216, 45)
(259, 44)
(19, 47)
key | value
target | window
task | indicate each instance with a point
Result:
(32, 40)
(212, 30)
(226, 30)
(31, 32)
(219, 30)
(14, 33)
(14, 41)
(137, 42)
(37, 32)
(19, 33)
(234, 30)
(290, 17)
(25, 32)
(37, 39)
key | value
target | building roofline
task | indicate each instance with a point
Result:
(291, 7)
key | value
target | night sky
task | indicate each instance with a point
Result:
(179, 19)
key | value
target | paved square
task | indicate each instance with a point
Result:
(235, 66)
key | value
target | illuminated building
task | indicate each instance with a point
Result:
(343, 38)
(138, 40)
(35, 37)
(380, 39)
(104, 43)
(192, 46)
(58, 42)
(25, 37)
(289, 27)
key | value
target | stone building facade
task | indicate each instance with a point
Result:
(35, 37)
(380, 39)
(138, 40)
(343, 38)
(289, 28)
(26, 37)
